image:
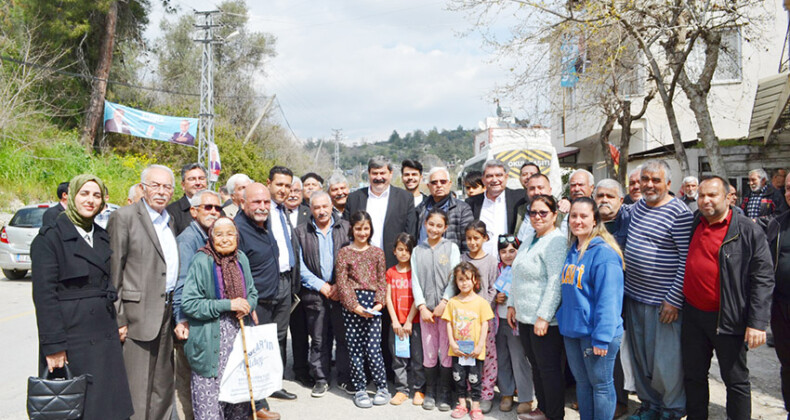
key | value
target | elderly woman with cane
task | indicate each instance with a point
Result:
(74, 299)
(219, 293)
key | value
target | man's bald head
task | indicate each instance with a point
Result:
(257, 202)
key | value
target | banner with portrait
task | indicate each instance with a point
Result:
(214, 164)
(125, 120)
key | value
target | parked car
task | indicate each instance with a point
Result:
(15, 239)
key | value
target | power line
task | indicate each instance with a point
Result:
(286, 119)
(115, 82)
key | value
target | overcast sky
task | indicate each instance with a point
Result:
(369, 66)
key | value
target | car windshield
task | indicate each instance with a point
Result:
(30, 217)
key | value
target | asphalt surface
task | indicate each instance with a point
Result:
(19, 354)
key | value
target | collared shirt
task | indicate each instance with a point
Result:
(377, 208)
(755, 199)
(261, 249)
(102, 218)
(494, 215)
(293, 216)
(88, 236)
(279, 232)
(326, 255)
(167, 241)
(701, 281)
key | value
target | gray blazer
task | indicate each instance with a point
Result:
(139, 271)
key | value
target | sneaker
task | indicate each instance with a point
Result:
(429, 403)
(506, 404)
(524, 407)
(362, 400)
(319, 389)
(382, 397)
(443, 406)
(485, 406)
(644, 413)
(399, 398)
(346, 386)
(419, 398)
(476, 414)
(459, 411)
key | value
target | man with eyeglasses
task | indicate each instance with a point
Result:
(205, 209)
(459, 214)
(144, 271)
(497, 207)
(193, 179)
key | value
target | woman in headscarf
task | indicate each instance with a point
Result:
(74, 299)
(219, 292)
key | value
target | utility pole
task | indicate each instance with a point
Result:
(206, 132)
(338, 136)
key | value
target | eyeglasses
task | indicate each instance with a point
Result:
(158, 186)
(542, 213)
(439, 181)
(209, 207)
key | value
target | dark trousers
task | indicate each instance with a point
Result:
(619, 381)
(545, 356)
(780, 325)
(471, 375)
(324, 321)
(699, 339)
(278, 311)
(299, 344)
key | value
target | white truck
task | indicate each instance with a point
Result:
(514, 145)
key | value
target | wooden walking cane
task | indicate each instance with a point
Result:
(247, 366)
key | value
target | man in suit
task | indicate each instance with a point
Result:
(279, 310)
(183, 136)
(390, 208)
(116, 124)
(193, 179)
(497, 207)
(235, 185)
(63, 200)
(298, 212)
(144, 272)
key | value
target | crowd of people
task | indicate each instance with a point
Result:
(444, 297)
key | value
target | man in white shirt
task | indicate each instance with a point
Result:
(497, 207)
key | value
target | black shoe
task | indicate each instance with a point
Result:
(320, 389)
(346, 386)
(307, 381)
(283, 395)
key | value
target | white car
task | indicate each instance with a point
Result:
(15, 240)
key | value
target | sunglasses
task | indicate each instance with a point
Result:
(209, 207)
(440, 181)
(542, 213)
(509, 239)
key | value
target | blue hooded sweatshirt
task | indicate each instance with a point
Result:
(592, 294)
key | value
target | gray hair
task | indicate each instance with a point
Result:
(690, 179)
(437, 169)
(132, 191)
(637, 170)
(149, 168)
(609, 183)
(590, 177)
(761, 172)
(197, 199)
(494, 163)
(319, 194)
(654, 165)
(336, 178)
(377, 162)
(190, 166)
(298, 182)
(235, 179)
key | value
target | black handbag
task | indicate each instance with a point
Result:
(57, 398)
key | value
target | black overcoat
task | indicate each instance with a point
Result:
(74, 299)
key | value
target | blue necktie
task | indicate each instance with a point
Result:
(284, 223)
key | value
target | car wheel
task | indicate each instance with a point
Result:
(14, 274)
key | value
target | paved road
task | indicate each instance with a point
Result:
(19, 354)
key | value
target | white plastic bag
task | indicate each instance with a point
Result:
(266, 366)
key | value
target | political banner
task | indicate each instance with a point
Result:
(266, 366)
(125, 120)
(214, 164)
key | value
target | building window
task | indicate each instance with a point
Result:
(729, 68)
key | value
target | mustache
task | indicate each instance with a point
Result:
(161, 197)
(605, 205)
(378, 181)
(263, 212)
(212, 218)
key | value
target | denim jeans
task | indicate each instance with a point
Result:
(594, 377)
